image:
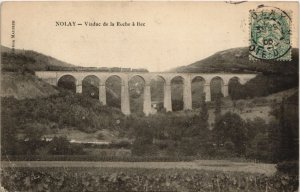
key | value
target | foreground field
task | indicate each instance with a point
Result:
(140, 179)
(213, 165)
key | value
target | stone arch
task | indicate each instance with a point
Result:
(198, 77)
(67, 81)
(153, 77)
(197, 87)
(65, 75)
(136, 85)
(234, 78)
(177, 76)
(139, 76)
(157, 87)
(216, 87)
(90, 86)
(113, 86)
(177, 88)
(235, 88)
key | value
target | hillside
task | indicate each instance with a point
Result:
(30, 60)
(21, 86)
(60, 111)
(236, 60)
(259, 107)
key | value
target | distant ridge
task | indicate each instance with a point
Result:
(22, 60)
(236, 60)
(30, 59)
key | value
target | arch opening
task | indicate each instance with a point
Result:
(157, 85)
(177, 84)
(113, 91)
(216, 88)
(90, 86)
(136, 94)
(67, 82)
(198, 84)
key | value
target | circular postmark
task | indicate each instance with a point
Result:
(270, 33)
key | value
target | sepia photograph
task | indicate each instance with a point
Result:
(149, 96)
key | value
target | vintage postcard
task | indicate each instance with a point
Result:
(156, 96)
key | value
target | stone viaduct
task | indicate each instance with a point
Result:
(52, 77)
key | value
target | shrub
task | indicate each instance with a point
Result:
(61, 146)
(144, 149)
(259, 101)
(121, 144)
(229, 145)
(288, 167)
(100, 136)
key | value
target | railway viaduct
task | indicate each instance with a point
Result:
(52, 77)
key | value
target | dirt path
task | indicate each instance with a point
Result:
(218, 165)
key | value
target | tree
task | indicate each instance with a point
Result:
(8, 134)
(231, 127)
(218, 105)
(274, 139)
(255, 126)
(144, 134)
(204, 139)
(288, 119)
(33, 133)
(203, 113)
(259, 145)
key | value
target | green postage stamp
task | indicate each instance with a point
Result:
(270, 34)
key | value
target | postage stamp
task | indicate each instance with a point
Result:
(270, 34)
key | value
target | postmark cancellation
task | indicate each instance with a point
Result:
(270, 34)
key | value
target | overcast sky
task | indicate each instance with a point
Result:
(175, 34)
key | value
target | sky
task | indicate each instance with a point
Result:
(175, 33)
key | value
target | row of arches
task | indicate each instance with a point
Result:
(136, 85)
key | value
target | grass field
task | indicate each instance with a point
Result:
(212, 165)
